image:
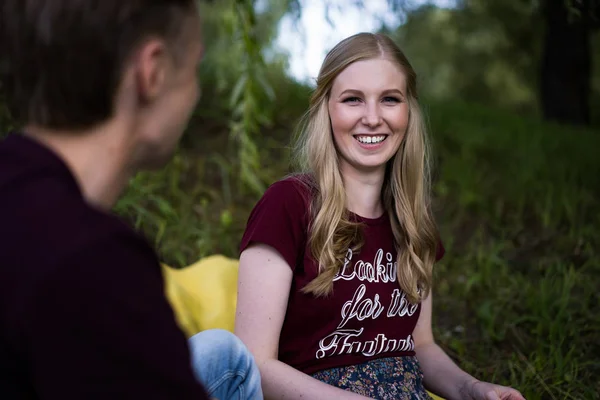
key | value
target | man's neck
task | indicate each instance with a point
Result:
(98, 158)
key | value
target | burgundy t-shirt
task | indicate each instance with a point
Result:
(367, 316)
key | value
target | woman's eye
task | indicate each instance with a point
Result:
(391, 100)
(351, 99)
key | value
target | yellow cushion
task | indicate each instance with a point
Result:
(204, 295)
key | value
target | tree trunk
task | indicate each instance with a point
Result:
(566, 63)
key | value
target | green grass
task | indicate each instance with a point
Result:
(519, 210)
(520, 215)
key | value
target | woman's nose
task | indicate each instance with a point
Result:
(372, 117)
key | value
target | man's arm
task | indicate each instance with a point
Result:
(100, 327)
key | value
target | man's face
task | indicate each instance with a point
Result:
(171, 101)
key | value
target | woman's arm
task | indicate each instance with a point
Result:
(442, 376)
(263, 290)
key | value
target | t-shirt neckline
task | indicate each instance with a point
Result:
(369, 221)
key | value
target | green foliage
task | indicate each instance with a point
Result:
(485, 52)
(519, 210)
(237, 36)
(247, 111)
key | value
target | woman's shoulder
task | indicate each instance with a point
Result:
(293, 189)
(281, 217)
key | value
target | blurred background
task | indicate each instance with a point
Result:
(511, 91)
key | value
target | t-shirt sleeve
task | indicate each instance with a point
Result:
(100, 327)
(280, 220)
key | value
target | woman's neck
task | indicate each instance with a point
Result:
(363, 191)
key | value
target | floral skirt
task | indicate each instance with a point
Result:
(397, 378)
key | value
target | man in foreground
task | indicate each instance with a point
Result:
(103, 90)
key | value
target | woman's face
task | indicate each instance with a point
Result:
(369, 114)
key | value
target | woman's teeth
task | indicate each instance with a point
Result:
(371, 139)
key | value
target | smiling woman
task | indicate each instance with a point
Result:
(316, 303)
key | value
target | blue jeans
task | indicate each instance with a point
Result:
(224, 365)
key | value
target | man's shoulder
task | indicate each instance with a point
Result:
(44, 214)
(60, 231)
(61, 221)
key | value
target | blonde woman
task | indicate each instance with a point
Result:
(336, 266)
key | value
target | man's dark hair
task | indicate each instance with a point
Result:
(61, 61)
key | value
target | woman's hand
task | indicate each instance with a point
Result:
(477, 390)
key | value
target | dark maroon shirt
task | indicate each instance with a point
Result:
(366, 317)
(82, 308)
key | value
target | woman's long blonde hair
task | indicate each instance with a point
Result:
(405, 192)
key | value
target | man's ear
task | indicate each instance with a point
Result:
(152, 66)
